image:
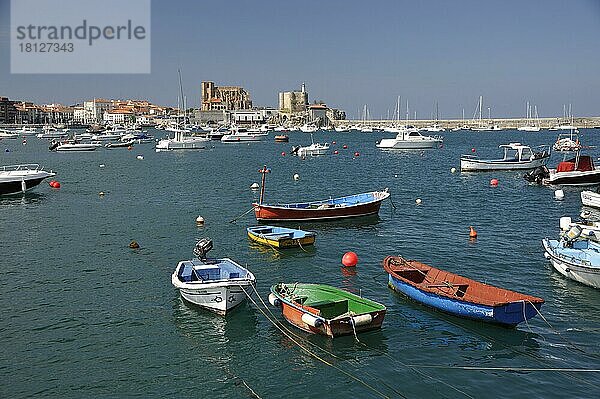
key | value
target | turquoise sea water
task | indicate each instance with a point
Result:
(85, 316)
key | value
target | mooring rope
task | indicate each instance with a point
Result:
(243, 214)
(316, 356)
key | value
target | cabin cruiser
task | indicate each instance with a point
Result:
(181, 142)
(410, 139)
(16, 179)
(239, 134)
(516, 156)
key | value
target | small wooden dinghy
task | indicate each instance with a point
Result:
(280, 237)
(459, 295)
(326, 310)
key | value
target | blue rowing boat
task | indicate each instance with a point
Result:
(459, 295)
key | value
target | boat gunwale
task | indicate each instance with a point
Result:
(384, 194)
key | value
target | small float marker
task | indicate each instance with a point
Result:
(494, 182)
(134, 245)
(452, 170)
(200, 221)
(296, 176)
(472, 232)
(283, 153)
(418, 201)
(559, 195)
(140, 157)
(102, 165)
(254, 186)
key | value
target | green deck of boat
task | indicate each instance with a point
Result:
(330, 301)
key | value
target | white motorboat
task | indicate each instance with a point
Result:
(342, 129)
(577, 259)
(577, 171)
(306, 128)
(53, 134)
(410, 139)
(434, 129)
(516, 156)
(7, 134)
(218, 285)
(74, 146)
(16, 179)
(107, 137)
(312, 150)
(241, 134)
(181, 142)
(83, 136)
(590, 198)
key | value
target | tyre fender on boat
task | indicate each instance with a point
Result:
(274, 301)
(362, 319)
(311, 320)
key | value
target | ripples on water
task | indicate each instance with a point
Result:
(86, 316)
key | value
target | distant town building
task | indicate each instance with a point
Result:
(94, 110)
(118, 116)
(219, 98)
(8, 112)
(252, 117)
(291, 102)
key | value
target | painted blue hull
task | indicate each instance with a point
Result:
(509, 314)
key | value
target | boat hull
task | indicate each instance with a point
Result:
(508, 315)
(574, 178)
(567, 266)
(172, 145)
(281, 213)
(394, 144)
(590, 198)
(287, 242)
(16, 187)
(481, 165)
(219, 300)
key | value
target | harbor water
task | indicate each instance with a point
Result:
(83, 315)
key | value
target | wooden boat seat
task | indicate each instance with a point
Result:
(459, 289)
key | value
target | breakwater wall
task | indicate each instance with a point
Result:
(505, 123)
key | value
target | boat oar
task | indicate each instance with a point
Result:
(243, 214)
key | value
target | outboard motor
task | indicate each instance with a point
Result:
(537, 175)
(53, 145)
(202, 247)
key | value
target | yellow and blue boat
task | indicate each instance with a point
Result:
(280, 237)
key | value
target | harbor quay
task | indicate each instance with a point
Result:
(584, 122)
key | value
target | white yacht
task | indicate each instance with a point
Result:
(181, 142)
(411, 139)
(240, 134)
(16, 179)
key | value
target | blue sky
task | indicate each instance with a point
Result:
(351, 53)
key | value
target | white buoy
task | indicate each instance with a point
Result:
(102, 165)
(296, 176)
(140, 157)
(418, 201)
(199, 220)
(452, 170)
(396, 176)
(559, 195)
(101, 193)
(254, 186)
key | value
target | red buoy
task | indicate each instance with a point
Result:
(494, 182)
(51, 183)
(283, 153)
(333, 142)
(473, 149)
(350, 259)
(472, 232)
(336, 152)
(54, 184)
(345, 147)
(357, 154)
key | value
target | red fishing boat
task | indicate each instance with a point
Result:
(328, 209)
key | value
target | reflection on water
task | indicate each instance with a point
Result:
(272, 253)
(27, 198)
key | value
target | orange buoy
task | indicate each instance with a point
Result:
(350, 259)
(472, 232)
